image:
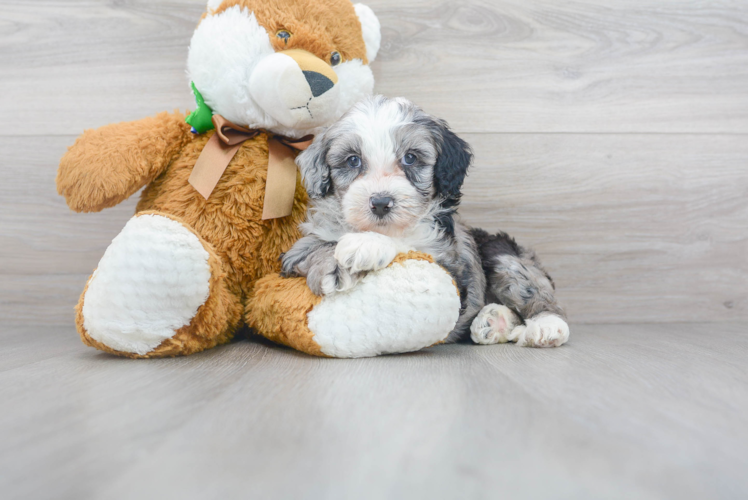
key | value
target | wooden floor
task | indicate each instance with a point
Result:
(622, 411)
(611, 135)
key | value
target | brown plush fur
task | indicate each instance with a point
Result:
(325, 27)
(230, 219)
(243, 246)
(412, 255)
(279, 306)
(214, 323)
(107, 165)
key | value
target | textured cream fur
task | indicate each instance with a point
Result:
(402, 308)
(150, 283)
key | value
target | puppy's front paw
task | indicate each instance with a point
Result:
(543, 330)
(327, 285)
(335, 281)
(494, 324)
(358, 252)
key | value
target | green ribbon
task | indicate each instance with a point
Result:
(202, 118)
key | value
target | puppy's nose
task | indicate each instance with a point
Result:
(381, 205)
(318, 82)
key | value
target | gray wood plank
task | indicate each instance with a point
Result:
(39, 234)
(609, 135)
(487, 66)
(622, 411)
(632, 227)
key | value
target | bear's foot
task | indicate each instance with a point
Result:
(410, 305)
(159, 291)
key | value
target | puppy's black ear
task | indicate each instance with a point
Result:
(452, 163)
(314, 169)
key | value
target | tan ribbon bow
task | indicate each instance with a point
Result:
(280, 186)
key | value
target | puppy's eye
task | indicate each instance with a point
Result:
(409, 159)
(354, 161)
(283, 35)
(335, 58)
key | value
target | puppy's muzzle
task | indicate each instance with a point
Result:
(381, 205)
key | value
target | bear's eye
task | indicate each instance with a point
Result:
(283, 35)
(335, 58)
(353, 161)
(409, 159)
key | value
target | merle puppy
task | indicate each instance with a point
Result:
(386, 179)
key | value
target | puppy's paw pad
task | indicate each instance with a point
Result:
(545, 330)
(493, 325)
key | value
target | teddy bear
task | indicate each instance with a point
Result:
(222, 199)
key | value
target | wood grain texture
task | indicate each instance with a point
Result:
(486, 66)
(609, 135)
(632, 227)
(622, 411)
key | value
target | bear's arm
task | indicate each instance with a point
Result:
(107, 165)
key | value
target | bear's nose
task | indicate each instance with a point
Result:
(318, 74)
(318, 82)
(381, 205)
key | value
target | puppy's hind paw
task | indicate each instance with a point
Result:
(543, 330)
(493, 325)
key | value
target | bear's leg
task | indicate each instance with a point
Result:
(405, 307)
(160, 290)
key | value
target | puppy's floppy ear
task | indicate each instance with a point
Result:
(452, 163)
(314, 169)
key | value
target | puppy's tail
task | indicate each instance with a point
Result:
(491, 246)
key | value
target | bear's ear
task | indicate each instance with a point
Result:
(371, 30)
(314, 168)
(213, 5)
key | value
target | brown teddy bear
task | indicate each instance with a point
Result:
(200, 257)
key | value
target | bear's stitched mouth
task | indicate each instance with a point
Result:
(306, 106)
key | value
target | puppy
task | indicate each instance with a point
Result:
(386, 179)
